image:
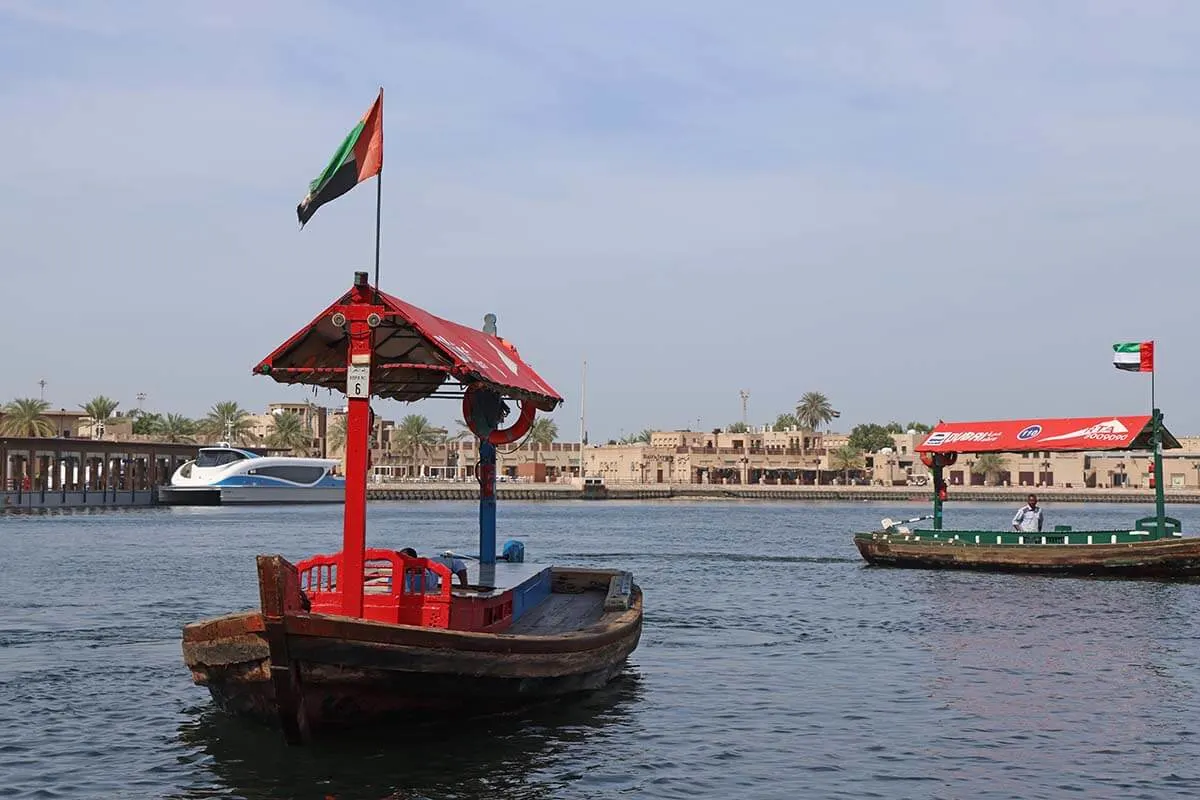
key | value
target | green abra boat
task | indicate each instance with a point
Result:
(1153, 547)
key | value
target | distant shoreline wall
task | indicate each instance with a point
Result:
(49, 500)
(532, 491)
(26, 502)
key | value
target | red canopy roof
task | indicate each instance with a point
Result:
(414, 354)
(1024, 435)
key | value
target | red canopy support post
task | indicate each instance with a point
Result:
(359, 318)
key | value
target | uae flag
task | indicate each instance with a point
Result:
(1134, 356)
(359, 157)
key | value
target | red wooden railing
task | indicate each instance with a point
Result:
(420, 597)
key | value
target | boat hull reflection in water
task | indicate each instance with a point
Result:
(430, 755)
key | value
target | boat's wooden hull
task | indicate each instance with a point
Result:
(339, 671)
(1163, 558)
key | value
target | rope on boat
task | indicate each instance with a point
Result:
(887, 523)
(512, 546)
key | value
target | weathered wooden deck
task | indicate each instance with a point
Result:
(561, 613)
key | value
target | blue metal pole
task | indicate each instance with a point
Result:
(487, 502)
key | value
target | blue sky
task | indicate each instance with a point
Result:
(922, 209)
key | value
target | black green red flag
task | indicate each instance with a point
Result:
(359, 157)
(1134, 356)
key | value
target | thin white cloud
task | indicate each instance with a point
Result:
(932, 197)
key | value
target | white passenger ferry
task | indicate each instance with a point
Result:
(225, 475)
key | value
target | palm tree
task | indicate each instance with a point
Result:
(990, 466)
(919, 427)
(644, 436)
(737, 427)
(464, 432)
(543, 433)
(288, 432)
(174, 428)
(335, 436)
(845, 458)
(785, 421)
(415, 436)
(25, 416)
(146, 423)
(814, 410)
(228, 421)
(100, 409)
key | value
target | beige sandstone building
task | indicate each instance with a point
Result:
(784, 458)
(759, 456)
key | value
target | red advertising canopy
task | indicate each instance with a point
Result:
(413, 354)
(1025, 435)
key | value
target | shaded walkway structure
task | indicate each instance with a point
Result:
(41, 473)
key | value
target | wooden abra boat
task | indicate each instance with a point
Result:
(366, 634)
(1153, 547)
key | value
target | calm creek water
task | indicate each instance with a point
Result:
(773, 664)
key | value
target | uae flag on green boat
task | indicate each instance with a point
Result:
(1134, 356)
(359, 157)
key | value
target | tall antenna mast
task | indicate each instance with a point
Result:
(745, 399)
(582, 420)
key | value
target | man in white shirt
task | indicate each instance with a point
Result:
(1028, 517)
(453, 563)
(456, 565)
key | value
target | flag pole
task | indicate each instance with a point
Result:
(379, 197)
(1152, 371)
(378, 219)
(1159, 498)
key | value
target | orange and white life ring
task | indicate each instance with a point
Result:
(500, 435)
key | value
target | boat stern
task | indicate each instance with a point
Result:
(229, 655)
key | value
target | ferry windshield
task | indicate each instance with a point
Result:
(217, 458)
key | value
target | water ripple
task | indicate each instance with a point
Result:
(773, 664)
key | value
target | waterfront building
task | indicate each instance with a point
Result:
(758, 456)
